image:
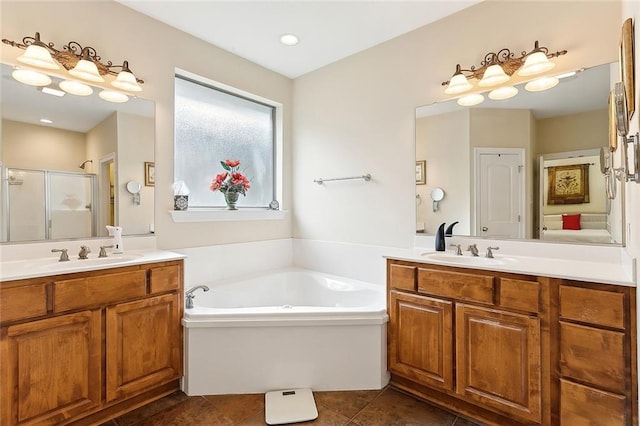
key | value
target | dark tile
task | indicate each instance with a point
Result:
(195, 411)
(346, 403)
(464, 422)
(109, 423)
(238, 407)
(326, 417)
(393, 408)
(150, 409)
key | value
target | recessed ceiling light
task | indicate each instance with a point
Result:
(289, 39)
(53, 92)
(46, 121)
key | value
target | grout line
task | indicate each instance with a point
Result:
(352, 419)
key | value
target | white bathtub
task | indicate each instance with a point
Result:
(286, 329)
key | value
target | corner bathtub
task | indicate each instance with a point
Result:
(292, 328)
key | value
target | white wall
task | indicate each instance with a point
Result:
(154, 50)
(357, 115)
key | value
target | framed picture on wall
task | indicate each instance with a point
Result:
(149, 173)
(421, 172)
(627, 65)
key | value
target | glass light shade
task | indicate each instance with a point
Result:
(535, 63)
(38, 56)
(126, 81)
(458, 84)
(493, 75)
(76, 88)
(502, 93)
(30, 77)
(112, 96)
(471, 100)
(86, 70)
(540, 84)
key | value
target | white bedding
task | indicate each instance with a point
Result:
(578, 236)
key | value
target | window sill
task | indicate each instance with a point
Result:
(221, 215)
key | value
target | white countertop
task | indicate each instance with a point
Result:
(598, 272)
(41, 267)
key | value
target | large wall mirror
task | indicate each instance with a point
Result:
(503, 164)
(66, 162)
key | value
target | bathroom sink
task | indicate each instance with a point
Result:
(95, 262)
(468, 260)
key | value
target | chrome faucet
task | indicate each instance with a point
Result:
(473, 249)
(458, 249)
(490, 252)
(64, 256)
(84, 251)
(190, 296)
(103, 251)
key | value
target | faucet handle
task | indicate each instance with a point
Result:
(103, 250)
(458, 249)
(64, 255)
(84, 251)
(490, 252)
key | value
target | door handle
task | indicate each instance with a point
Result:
(485, 229)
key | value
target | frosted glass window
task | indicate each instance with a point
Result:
(212, 125)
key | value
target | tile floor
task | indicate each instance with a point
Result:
(386, 407)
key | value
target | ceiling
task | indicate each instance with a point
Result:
(328, 30)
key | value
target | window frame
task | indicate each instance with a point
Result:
(277, 145)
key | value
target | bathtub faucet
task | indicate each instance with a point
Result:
(189, 295)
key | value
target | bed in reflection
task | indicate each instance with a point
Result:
(577, 228)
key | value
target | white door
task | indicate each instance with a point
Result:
(500, 193)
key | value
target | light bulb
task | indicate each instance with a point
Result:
(30, 77)
(471, 100)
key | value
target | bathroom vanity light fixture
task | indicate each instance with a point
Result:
(82, 63)
(497, 68)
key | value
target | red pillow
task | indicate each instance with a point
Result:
(571, 221)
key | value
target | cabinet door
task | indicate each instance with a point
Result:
(421, 339)
(144, 345)
(498, 360)
(51, 369)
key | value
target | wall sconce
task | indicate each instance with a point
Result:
(497, 68)
(82, 63)
(631, 142)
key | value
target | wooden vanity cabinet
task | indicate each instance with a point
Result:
(512, 349)
(96, 345)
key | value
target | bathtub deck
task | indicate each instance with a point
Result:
(356, 408)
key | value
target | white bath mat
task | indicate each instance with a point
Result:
(289, 406)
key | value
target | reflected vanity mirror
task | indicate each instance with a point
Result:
(66, 161)
(504, 164)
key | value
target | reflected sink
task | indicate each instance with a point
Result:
(468, 260)
(114, 259)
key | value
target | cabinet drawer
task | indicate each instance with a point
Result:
(22, 302)
(519, 294)
(593, 356)
(582, 405)
(592, 306)
(98, 290)
(166, 278)
(457, 285)
(402, 277)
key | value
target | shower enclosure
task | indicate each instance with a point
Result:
(47, 205)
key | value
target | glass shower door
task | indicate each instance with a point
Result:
(71, 205)
(26, 210)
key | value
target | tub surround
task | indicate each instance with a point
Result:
(260, 334)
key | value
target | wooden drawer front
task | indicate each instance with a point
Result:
(593, 356)
(402, 277)
(582, 405)
(593, 306)
(457, 285)
(166, 278)
(26, 301)
(519, 294)
(98, 290)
